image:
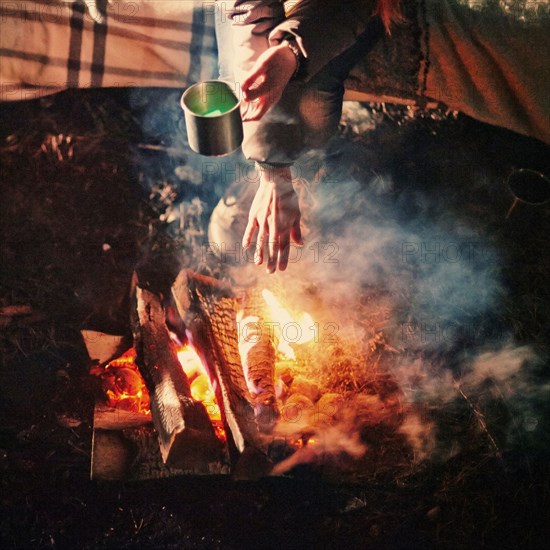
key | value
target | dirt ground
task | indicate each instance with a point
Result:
(96, 184)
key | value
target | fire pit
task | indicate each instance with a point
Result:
(224, 380)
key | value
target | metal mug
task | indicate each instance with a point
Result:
(529, 187)
(212, 118)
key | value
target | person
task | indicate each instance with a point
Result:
(291, 79)
(290, 61)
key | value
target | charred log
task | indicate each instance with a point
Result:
(257, 351)
(209, 309)
(133, 453)
(185, 433)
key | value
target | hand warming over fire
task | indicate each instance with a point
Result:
(265, 83)
(276, 215)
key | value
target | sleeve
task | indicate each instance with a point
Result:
(323, 29)
(252, 21)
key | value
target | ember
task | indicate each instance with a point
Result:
(124, 387)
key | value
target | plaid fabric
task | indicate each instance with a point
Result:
(486, 59)
(49, 46)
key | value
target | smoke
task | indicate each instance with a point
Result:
(182, 186)
(497, 389)
(461, 373)
(443, 275)
(331, 441)
(440, 273)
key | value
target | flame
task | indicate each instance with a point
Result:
(201, 387)
(190, 361)
(289, 330)
(125, 388)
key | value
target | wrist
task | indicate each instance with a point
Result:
(290, 43)
(289, 58)
(276, 177)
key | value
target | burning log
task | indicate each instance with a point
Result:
(257, 351)
(185, 433)
(209, 309)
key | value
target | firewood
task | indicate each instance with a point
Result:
(102, 347)
(112, 455)
(209, 310)
(133, 454)
(185, 432)
(110, 418)
(257, 351)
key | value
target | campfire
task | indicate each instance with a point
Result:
(225, 374)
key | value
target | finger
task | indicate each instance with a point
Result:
(296, 232)
(252, 94)
(257, 115)
(249, 232)
(247, 113)
(245, 106)
(273, 253)
(272, 262)
(284, 251)
(255, 111)
(262, 235)
(253, 80)
(273, 243)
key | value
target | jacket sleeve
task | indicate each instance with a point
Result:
(323, 28)
(252, 21)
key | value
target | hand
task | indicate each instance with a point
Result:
(268, 78)
(276, 215)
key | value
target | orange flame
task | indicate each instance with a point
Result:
(288, 329)
(201, 388)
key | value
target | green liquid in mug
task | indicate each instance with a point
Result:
(213, 111)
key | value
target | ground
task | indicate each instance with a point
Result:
(96, 184)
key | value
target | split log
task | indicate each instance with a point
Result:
(112, 455)
(185, 433)
(209, 309)
(103, 347)
(257, 351)
(110, 418)
(133, 454)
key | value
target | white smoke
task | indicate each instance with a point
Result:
(443, 277)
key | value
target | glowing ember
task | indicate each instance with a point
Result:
(124, 387)
(288, 329)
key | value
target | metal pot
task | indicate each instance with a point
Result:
(212, 118)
